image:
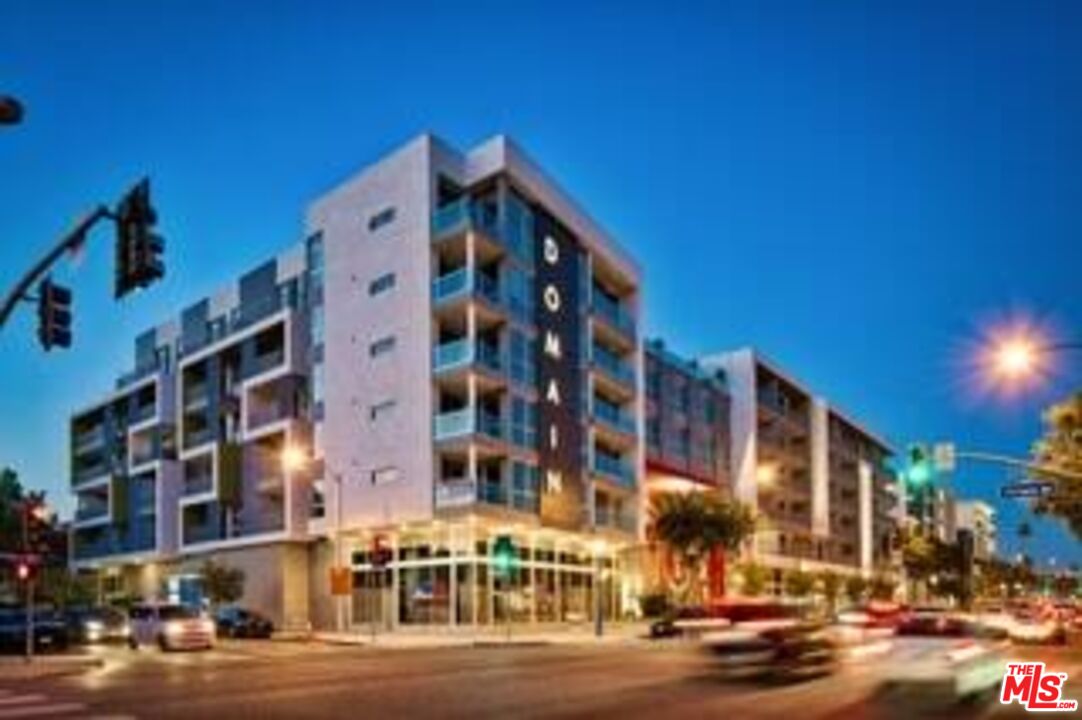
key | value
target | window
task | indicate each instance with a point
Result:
(383, 217)
(381, 410)
(381, 284)
(381, 346)
(384, 475)
(317, 326)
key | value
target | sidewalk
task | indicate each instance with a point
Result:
(520, 635)
(15, 667)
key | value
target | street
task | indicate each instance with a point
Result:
(294, 679)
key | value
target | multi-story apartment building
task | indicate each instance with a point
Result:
(687, 449)
(687, 423)
(816, 478)
(455, 347)
(979, 518)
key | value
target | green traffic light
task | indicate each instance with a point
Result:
(919, 474)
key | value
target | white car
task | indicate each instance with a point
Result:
(171, 627)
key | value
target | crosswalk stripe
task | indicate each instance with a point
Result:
(21, 699)
(41, 710)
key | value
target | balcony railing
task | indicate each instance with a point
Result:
(606, 517)
(614, 314)
(198, 484)
(92, 511)
(614, 417)
(453, 284)
(90, 439)
(455, 493)
(466, 422)
(614, 468)
(465, 214)
(616, 368)
(456, 353)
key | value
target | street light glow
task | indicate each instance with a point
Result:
(293, 458)
(1016, 357)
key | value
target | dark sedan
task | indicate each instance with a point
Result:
(234, 622)
(50, 631)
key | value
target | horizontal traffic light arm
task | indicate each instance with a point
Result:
(73, 240)
(998, 459)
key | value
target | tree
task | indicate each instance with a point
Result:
(694, 524)
(1060, 448)
(11, 497)
(67, 589)
(855, 587)
(799, 583)
(830, 583)
(755, 578)
(222, 584)
(882, 587)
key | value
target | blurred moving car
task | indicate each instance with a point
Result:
(170, 627)
(1029, 630)
(933, 622)
(932, 673)
(770, 641)
(236, 622)
(98, 625)
(50, 631)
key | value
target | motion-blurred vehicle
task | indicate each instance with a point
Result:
(770, 641)
(237, 622)
(50, 631)
(98, 625)
(928, 674)
(170, 627)
(1031, 630)
(933, 622)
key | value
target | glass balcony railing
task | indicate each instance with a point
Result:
(613, 417)
(198, 485)
(465, 214)
(457, 282)
(614, 468)
(96, 510)
(457, 353)
(613, 313)
(90, 439)
(466, 422)
(612, 365)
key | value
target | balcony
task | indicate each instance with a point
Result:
(614, 315)
(458, 423)
(459, 283)
(616, 369)
(612, 417)
(459, 353)
(196, 395)
(198, 484)
(465, 214)
(90, 439)
(614, 469)
(90, 510)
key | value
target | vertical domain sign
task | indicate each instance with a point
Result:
(559, 381)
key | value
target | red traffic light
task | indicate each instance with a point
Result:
(23, 571)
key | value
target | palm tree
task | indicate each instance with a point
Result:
(693, 525)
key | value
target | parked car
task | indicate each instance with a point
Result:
(237, 622)
(50, 631)
(170, 627)
(770, 640)
(98, 625)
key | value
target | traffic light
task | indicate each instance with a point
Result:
(36, 520)
(54, 315)
(505, 557)
(26, 568)
(919, 470)
(138, 248)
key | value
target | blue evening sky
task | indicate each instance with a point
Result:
(855, 188)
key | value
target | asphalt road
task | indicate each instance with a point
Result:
(308, 680)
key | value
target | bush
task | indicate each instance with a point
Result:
(655, 604)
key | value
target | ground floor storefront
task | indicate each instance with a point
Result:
(439, 575)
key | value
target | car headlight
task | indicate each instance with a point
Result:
(125, 630)
(208, 626)
(93, 626)
(173, 628)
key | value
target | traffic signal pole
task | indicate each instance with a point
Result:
(29, 586)
(70, 242)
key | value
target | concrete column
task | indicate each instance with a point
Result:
(533, 583)
(395, 580)
(452, 618)
(865, 498)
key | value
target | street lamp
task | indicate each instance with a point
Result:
(11, 110)
(1021, 353)
(294, 459)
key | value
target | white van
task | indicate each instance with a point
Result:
(170, 627)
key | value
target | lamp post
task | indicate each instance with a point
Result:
(1021, 354)
(294, 459)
